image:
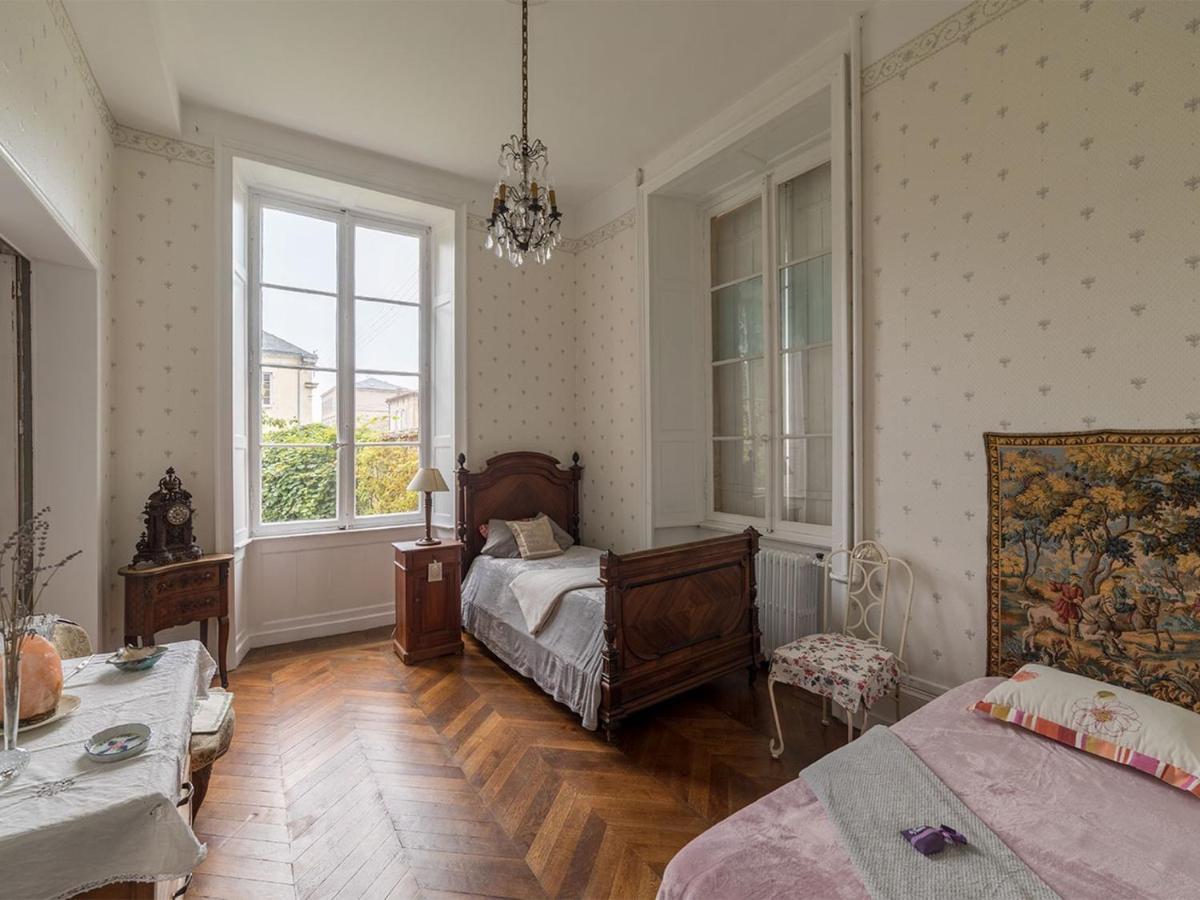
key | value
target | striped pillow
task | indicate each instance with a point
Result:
(1105, 720)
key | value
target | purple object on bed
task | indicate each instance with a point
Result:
(1086, 826)
(928, 840)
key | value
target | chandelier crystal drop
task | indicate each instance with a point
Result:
(525, 220)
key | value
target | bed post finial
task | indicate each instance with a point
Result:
(462, 463)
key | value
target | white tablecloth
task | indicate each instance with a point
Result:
(69, 824)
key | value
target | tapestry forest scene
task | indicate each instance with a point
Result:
(1094, 558)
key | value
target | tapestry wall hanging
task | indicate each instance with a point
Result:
(1094, 557)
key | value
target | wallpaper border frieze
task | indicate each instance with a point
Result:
(574, 245)
(171, 148)
(627, 219)
(952, 29)
(67, 30)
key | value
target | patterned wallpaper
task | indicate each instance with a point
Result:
(162, 337)
(553, 365)
(53, 121)
(520, 355)
(608, 387)
(1032, 257)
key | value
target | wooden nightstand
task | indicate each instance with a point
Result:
(428, 608)
(177, 594)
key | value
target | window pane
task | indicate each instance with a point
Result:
(386, 336)
(299, 483)
(808, 391)
(386, 408)
(740, 477)
(299, 251)
(805, 304)
(808, 481)
(298, 329)
(300, 405)
(381, 476)
(387, 265)
(740, 399)
(805, 228)
(737, 313)
(737, 243)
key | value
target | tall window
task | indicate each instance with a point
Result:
(339, 310)
(775, 356)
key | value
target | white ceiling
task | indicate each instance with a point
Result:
(613, 82)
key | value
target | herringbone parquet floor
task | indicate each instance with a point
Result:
(354, 776)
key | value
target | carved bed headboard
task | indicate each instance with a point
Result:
(515, 485)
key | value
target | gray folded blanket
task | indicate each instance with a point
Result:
(875, 787)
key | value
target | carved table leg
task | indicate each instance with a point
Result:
(223, 638)
(204, 632)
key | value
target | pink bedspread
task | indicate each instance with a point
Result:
(1090, 828)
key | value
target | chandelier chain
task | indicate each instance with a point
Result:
(525, 71)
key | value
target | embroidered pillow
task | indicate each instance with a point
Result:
(535, 539)
(1112, 722)
(499, 542)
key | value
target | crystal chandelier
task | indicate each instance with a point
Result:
(525, 217)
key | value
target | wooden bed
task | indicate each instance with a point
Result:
(674, 617)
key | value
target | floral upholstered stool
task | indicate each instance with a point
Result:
(851, 672)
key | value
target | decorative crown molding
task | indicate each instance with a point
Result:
(147, 142)
(121, 135)
(951, 30)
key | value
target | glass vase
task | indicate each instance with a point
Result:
(13, 760)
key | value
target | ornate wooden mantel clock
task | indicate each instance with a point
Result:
(168, 537)
(171, 580)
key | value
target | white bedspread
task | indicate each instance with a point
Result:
(538, 592)
(68, 823)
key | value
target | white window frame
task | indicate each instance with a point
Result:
(765, 187)
(347, 220)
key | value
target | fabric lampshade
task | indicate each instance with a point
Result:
(429, 479)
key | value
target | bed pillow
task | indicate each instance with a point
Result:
(1112, 722)
(561, 538)
(499, 541)
(535, 539)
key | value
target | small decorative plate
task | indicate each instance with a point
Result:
(118, 742)
(67, 704)
(134, 659)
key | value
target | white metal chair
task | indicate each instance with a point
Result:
(852, 667)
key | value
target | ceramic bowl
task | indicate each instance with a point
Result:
(118, 742)
(135, 659)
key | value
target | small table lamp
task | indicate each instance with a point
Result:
(427, 481)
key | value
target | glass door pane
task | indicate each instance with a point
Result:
(740, 478)
(805, 346)
(740, 418)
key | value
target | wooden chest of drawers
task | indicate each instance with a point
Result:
(178, 594)
(428, 608)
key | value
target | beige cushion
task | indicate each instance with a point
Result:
(206, 748)
(71, 640)
(535, 539)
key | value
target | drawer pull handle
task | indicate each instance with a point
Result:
(189, 790)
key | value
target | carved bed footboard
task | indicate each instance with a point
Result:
(675, 618)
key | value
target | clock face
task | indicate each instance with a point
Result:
(178, 514)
